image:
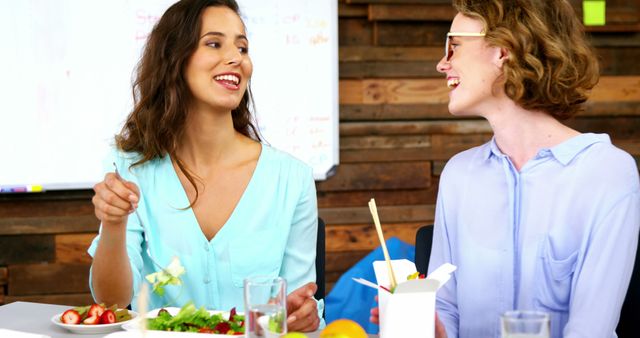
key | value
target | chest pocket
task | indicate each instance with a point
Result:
(256, 254)
(554, 278)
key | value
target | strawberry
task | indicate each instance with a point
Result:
(91, 320)
(232, 313)
(70, 317)
(108, 317)
(96, 310)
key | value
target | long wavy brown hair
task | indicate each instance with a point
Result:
(160, 92)
(551, 65)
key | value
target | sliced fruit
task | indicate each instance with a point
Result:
(96, 310)
(70, 317)
(122, 315)
(91, 320)
(108, 317)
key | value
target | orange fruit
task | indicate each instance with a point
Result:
(295, 335)
(343, 328)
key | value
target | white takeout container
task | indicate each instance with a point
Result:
(410, 311)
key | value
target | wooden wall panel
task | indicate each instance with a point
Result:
(72, 248)
(374, 53)
(22, 206)
(345, 11)
(388, 214)
(410, 33)
(410, 12)
(27, 279)
(354, 32)
(4, 273)
(395, 112)
(408, 69)
(48, 225)
(26, 249)
(347, 238)
(415, 127)
(434, 91)
(420, 62)
(439, 111)
(4, 279)
(379, 176)
(327, 199)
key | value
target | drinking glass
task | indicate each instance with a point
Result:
(525, 324)
(265, 304)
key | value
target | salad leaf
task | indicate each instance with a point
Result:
(169, 276)
(192, 319)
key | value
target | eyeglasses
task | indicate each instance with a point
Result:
(448, 50)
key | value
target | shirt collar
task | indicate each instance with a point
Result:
(492, 149)
(563, 152)
(569, 149)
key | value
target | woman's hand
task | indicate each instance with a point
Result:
(303, 310)
(114, 200)
(375, 314)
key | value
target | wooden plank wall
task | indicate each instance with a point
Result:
(395, 137)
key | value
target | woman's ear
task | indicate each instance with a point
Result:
(501, 56)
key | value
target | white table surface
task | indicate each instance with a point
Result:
(36, 318)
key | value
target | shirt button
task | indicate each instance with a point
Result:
(207, 280)
(206, 246)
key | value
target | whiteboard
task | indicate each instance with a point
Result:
(67, 67)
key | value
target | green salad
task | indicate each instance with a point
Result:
(192, 319)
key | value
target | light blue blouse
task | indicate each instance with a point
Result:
(272, 231)
(558, 236)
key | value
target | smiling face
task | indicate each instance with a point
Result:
(471, 70)
(220, 68)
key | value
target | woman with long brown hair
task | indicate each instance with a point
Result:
(193, 179)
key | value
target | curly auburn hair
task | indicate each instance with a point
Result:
(551, 66)
(160, 92)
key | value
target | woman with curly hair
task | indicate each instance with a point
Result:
(205, 188)
(542, 217)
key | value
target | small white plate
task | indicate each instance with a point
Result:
(92, 329)
(134, 325)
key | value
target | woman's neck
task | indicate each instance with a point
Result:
(209, 139)
(521, 133)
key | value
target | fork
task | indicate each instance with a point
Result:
(144, 231)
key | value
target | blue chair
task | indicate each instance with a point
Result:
(354, 301)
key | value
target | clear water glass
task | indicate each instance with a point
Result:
(525, 324)
(265, 304)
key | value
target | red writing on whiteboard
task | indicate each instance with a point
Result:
(291, 19)
(144, 22)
